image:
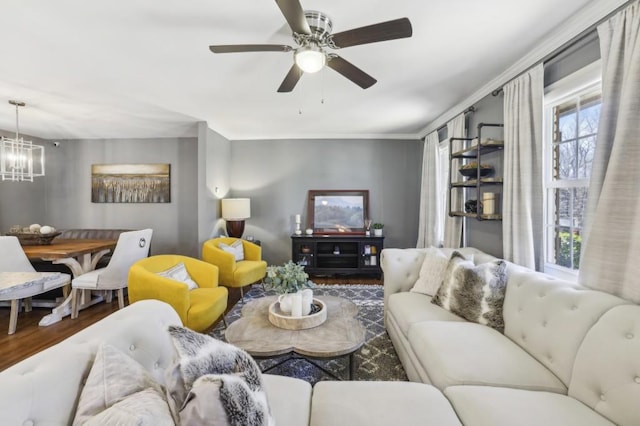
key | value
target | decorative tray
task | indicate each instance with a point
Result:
(34, 239)
(286, 321)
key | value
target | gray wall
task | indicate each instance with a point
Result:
(276, 175)
(486, 235)
(214, 183)
(64, 194)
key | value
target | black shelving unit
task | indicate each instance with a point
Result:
(474, 152)
(338, 254)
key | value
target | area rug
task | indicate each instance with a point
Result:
(376, 360)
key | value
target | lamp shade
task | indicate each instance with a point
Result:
(236, 208)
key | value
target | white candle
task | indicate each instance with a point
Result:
(296, 305)
(297, 218)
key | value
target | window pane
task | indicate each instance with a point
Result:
(586, 150)
(589, 117)
(579, 207)
(567, 125)
(563, 207)
(563, 247)
(565, 160)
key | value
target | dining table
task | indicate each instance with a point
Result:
(80, 255)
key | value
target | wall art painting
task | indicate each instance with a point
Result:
(131, 183)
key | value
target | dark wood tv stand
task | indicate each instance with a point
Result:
(338, 254)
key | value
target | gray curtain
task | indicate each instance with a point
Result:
(522, 209)
(453, 225)
(430, 204)
(611, 241)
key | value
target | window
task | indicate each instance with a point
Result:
(571, 129)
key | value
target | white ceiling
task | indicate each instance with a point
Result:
(142, 68)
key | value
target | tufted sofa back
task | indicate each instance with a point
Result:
(549, 317)
(45, 388)
(606, 374)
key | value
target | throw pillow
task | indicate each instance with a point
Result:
(476, 293)
(235, 249)
(144, 408)
(115, 376)
(225, 366)
(179, 273)
(431, 272)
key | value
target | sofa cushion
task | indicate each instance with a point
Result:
(431, 271)
(289, 398)
(410, 308)
(475, 293)
(606, 373)
(379, 403)
(115, 376)
(495, 406)
(464, 353)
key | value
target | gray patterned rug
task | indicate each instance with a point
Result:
(376, 360)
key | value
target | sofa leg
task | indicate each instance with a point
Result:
(224, 321)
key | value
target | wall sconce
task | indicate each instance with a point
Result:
(235, 211)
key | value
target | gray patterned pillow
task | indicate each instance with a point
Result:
(202, 356)
(476, 293)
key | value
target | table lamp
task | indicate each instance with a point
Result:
(235, 211)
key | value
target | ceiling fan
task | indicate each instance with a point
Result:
(312, 34)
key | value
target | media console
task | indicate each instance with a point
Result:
(338, 254)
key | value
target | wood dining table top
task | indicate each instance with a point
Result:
(65, 248)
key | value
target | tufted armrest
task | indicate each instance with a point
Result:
(401, 268)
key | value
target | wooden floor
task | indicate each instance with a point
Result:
(30, 338)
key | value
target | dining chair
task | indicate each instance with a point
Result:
(131, 247)
(14, 259)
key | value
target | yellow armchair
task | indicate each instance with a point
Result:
(198, 308)
(235, 274)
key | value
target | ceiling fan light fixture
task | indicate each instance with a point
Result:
(310, 58)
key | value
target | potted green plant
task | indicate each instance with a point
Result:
(377, 229)
(290, 280)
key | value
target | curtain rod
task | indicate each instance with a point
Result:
(575, 40)
(466, 111)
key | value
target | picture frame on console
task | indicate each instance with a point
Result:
(338, 212)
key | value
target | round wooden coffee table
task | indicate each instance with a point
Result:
(340, 335)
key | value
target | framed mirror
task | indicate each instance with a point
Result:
(338, 211)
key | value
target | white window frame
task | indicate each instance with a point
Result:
(580, 82)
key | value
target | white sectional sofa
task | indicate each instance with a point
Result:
(568, 355)
(45, 388)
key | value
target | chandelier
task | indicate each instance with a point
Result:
(20, 160)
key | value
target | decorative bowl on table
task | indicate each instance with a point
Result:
(284, 320)
(34, 238)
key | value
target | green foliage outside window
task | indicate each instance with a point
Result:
(563, 255)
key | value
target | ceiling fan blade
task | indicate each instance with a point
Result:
(234, 48)
(390, 30)
(292, 78)
(350, 71)
(293, 13)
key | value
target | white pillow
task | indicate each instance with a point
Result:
(235, 249)
(115, 376)
(435, 261)
(179, 273)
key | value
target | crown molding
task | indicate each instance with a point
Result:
(588, 17)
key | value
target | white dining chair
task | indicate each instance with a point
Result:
(131, 247)
(14, 259)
